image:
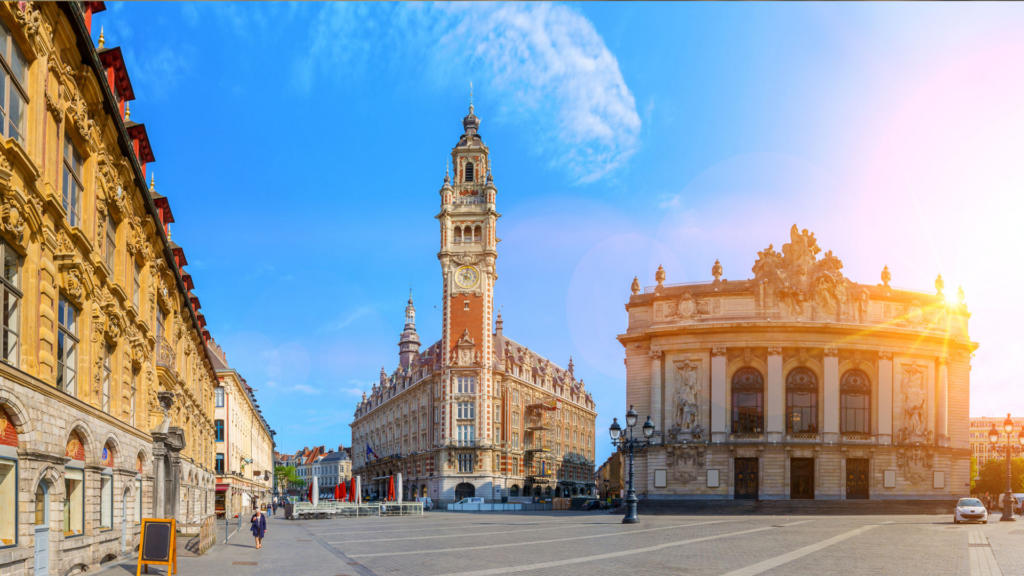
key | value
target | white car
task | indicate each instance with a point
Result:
(428, 504)
(970, 510)
(476, 500)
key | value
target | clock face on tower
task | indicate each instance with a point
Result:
(466, 277)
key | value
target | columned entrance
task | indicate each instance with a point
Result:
(746, 479)
(801, 478)
(856, 479)
(42, 530)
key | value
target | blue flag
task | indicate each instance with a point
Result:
(370, 451)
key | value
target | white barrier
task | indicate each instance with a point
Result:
(509, 507)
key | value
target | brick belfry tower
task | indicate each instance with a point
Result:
(467, 256)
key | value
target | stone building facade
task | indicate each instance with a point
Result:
(800, 383)
(476, 413)
(106, 390)
(244, 443)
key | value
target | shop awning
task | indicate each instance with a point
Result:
(222, 487)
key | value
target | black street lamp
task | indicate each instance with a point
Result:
(629, 446)
(993, 437)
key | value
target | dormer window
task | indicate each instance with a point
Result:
(469, 171)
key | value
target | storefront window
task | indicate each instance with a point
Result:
(8, 501)
(106, 502)
(74, 503)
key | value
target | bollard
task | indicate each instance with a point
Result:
(227, 525)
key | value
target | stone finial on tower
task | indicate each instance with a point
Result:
(447, 179)
(939, 285)
(409, 343)
(383, 376)
(660, 277)
(960, 296)
(498, 325)
(886, 276)
(635, 287)
(571, 368)
(716, 271)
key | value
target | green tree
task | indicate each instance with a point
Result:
(974, 473)
(993, 476)
(287, 477)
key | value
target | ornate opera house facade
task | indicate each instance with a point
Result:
(800, 383)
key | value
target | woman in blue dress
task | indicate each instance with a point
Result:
(259, 526)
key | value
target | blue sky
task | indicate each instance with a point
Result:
(302, 147)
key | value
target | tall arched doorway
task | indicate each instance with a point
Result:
(464, 490)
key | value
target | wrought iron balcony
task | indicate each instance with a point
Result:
(165, 355)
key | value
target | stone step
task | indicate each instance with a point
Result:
(881, 507)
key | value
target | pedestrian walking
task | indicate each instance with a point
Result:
(259, 526)
(273, 508)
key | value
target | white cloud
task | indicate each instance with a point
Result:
(305, 388)
(671, 202)
(544, 65)
(347, 318)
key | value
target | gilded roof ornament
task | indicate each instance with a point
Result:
(716, 270)
(939, 285)
(886, 276)
(127, 111)
(152, 182)
(102, 40)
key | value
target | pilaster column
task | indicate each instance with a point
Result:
(719, 421)
(942, 404)
(831, 427)
(656, 356)
(884, 397)
(774, 401)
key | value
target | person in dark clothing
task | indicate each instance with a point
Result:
(259, 526)
(273, 508)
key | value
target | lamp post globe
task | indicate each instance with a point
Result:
(1008, 424)
(631, 417)
(648, 428)
(993, 434)
(615, 430)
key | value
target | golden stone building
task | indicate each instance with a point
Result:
(981, 447)
(244, 457)
(800, 383)
(106, 389)
(477, 413)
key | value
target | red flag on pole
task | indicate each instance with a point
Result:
(309, 493)
(341, 491)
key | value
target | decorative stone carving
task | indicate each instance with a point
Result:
(685, 461)
(64, 244)
(687, 398)
(655, 354)
(464, 350)
(716, 271)
(915, 400)
(915, 463)
(831, 351)
(718, 351)
(635, 287)
(885, 355)
(73, 283)
(775, 350)
(659, 276)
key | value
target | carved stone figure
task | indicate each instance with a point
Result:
(688, 394)
(915, 399)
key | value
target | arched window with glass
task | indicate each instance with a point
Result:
(801, 402)
(855, 403)
(747, 401)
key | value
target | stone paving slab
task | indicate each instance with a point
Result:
(597, 544)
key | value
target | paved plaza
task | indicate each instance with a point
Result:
(564, 543)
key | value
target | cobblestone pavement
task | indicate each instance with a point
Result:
(594, 544)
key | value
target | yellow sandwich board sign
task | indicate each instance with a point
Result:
(158, 545)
